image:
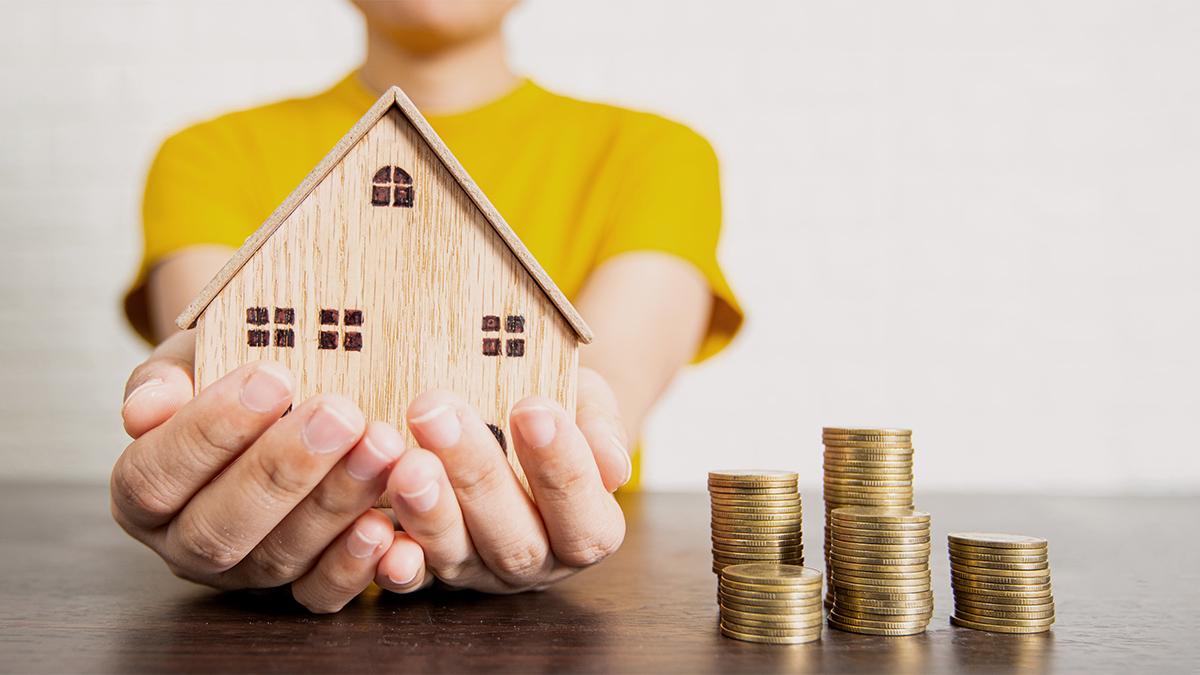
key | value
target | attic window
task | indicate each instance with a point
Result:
(392, 186)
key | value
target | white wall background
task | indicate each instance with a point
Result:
(977, 219)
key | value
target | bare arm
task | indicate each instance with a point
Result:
(649, 311)
(175, 281)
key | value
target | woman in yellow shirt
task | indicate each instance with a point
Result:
(621, 208)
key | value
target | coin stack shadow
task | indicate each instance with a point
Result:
(771, 603)
(1001, 582)
(756, 517)
(865, 467)
(880, 566)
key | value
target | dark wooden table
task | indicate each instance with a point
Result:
(77, 595)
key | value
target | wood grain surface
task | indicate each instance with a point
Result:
(76, 595)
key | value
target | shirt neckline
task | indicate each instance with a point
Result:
(358, 95)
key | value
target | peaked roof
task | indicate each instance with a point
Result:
(392, 97)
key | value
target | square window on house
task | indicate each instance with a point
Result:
(257, 316)
(353, 317)
(353, 341)
(285, 337)
(285, 315)
(328, 339)
(514, 348)
(491, 346)
(491, 323)
(329, 317)
(514, 323)
(258, 338)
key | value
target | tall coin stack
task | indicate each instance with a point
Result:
(1001, 582)
(880, 569)
(756, 517)
(865, 467)
(772, 603)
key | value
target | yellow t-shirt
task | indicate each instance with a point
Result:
(579, 182)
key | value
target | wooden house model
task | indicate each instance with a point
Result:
(386, 273)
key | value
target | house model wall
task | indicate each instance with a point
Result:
(388, 273)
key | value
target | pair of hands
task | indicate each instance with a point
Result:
(232, 494)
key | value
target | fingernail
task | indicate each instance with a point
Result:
(381, 445)
(267, 388)
(616, 440)
(360, 545)
(422, 500)
(536, 425)
(440, 426)
(148, 384)
(328, 430)
(400, 579)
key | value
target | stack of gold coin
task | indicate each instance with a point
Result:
(865, 467)
(880, 568)
(1001, 582)
(756, 517)
(770, 602)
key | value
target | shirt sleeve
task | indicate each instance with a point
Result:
(194, 195)
(670, 201)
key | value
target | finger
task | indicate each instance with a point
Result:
(230, 516)
(348, 490)
(347, 566)
(161, 385)
(402, 568)
(427, 509)
(502, 520)
(164, 468)
(598, 417)
(582, 518)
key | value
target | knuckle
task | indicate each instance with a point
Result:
(591, 550)
(562, 479)
(275, 567)
(200, 545)
(278, 478)
(136, 495)
(474, 483)
(523, 563)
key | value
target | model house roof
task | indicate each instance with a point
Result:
(392, 97)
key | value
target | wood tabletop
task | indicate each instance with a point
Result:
(76, 595)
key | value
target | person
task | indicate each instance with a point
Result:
(621, 208)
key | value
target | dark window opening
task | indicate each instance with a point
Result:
(499, 434)
(353, 342)
(329, 317)
(491, 323)
(353, 317)
(491, 346)
(327, 340)
(285, 337)
(392, 185)
(285, 315)
(514, 323)
(257, 316)
(514, 348)
(258, 338)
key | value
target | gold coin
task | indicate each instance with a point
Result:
(849, 628)
(898, 620)
(864, 501)
(992, 567)
(809, 586)
(802, 617)
(1046, 605)
(1003, 598)
(753, 475)
(977, 560)
(999, 590)
(882, 515)
(994, 621)
(857, 473)
(797, 602)
(883, 529)
(884, 606)
(889, 495)
(869, 453)
(796, 639)
(765, 626)
(1008, 554)
(861, 548)
(860, 568)
(787, 540)
(997, 629)
(734, 490)
(735, 509)
(762, 526)
(961, 581)
(866, 483)
(850, 539)
(876, 431)
(880, 561)
(884, 594)
(999, 576)
(840, 572)
(972, 612)
(772, 574)
(877, 625)
(996, 540)
(741, 558)
(839, 585)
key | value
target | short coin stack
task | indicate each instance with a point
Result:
(880, 569)
(756, 517)
(770, 602)
(865, 467)
(1001, 582)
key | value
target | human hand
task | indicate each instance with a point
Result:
(459, 499)
(232, 496)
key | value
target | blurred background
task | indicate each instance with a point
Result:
(979, 220)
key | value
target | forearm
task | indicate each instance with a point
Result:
(649, 312)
